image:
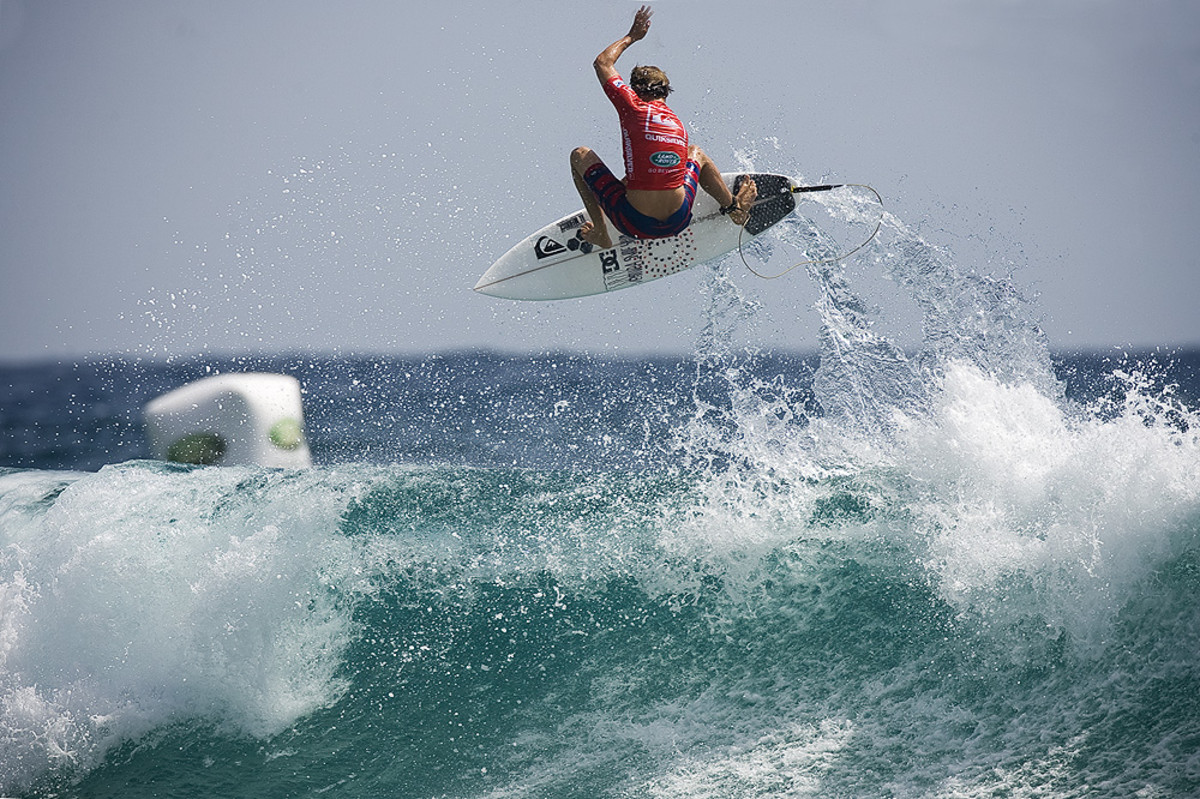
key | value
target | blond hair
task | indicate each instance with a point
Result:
(650, 83)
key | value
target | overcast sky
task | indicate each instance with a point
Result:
(180, 176)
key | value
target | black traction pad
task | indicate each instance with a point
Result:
(775, 201)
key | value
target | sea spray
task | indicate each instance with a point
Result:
(148, 594)
(977, 412)
(1020, 531)
(1037, 512)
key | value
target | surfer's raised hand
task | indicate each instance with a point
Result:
(641, 23)
(606, 61)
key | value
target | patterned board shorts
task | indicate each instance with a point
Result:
(631, 221)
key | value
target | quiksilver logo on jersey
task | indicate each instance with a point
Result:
(665, 158)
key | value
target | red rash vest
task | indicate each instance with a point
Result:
(655, 142)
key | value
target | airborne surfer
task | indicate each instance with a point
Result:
(662, 170)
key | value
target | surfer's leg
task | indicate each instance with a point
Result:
(712, 183)
(595, 231)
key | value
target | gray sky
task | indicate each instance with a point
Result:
(180, 176)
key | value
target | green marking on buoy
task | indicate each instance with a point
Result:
(287, 434)
(202, 449)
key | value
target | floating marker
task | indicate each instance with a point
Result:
(228, 420)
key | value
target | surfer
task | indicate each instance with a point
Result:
(661, 169)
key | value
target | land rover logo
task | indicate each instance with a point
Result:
(665, 158)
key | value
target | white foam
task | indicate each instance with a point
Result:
(1012, 504)
(789, 762)
(1030, 508)
(143, 596)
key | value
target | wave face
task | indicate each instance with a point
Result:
(960, 569)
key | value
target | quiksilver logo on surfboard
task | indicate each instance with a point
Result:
(547, 247)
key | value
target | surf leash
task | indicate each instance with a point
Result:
(834, 259)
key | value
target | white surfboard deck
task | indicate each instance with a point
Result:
(554, 264)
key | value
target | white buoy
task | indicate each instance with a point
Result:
(228, 420)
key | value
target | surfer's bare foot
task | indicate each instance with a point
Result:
(594, 235)
(747, 194)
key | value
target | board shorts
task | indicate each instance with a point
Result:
(629, 220)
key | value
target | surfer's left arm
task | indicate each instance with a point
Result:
(605, 63)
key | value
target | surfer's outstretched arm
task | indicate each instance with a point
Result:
(605, 63)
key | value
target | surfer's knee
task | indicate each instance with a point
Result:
(582, 158)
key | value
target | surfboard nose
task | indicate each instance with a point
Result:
(494, 284)
(486, 280)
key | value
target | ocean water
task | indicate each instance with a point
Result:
(965, 567)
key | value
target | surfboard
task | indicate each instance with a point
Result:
(555, 264)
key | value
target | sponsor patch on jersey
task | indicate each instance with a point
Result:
(665, 158)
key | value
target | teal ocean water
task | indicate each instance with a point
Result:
(963, 568)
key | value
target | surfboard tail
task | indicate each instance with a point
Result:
(775, 201)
